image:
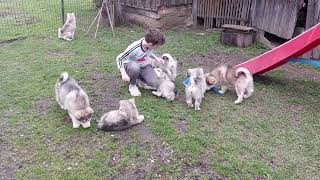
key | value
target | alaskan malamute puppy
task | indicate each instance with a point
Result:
(71, 97)
(169, 67)
(121, 119)
(167, 88)
(167, 74)
(196, 88)
(227, 76)
(68, 29)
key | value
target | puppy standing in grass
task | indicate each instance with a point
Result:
(121, 119)
(68, 29)
(227, 76)
(196, 88)
(71, 97)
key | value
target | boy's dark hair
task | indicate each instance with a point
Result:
(154, 36)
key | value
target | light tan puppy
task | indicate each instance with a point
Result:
(68, 29)
(71, 97)
(227, 76)
(196, 88)
(126, 117)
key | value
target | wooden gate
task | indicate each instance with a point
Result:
(215, 13)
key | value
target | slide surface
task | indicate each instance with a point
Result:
(280, 55)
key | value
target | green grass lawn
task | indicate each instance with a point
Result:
(273, 135)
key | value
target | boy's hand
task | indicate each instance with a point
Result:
(125, 77)
(159, 60)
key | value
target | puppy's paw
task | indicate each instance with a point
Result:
(238, 101)
(197, 108)
(140, 118)
(156, 93)
(190, 105)
(86, 125)
(75, 126)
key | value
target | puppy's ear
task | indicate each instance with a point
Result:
(188, 72)
(176, 91)
(89, 110)
(165, 58)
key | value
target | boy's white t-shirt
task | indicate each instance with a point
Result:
(135, 52)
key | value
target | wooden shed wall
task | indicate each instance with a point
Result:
(153, 5)
(313, 18)
(277, 17)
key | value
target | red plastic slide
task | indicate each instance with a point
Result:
(280, 55)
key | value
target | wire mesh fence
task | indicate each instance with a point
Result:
(28, 17)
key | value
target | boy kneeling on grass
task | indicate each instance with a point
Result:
(136, 61)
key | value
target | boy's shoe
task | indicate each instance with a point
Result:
(134, 91)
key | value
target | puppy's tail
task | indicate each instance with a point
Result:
(249, 89)
(59, 33)
(245, 71)
(63, 77)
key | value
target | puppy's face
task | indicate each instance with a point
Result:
(195, 73)
(84, 115)
(126, 105)
(210, 79)
(170, 96)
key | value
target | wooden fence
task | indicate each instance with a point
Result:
(215, 13)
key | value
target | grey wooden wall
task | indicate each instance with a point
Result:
(153, 5)
(277, 17)
(313, 18)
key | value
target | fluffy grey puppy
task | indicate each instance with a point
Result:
(71, 97)
(68, 29)
(196, 88)
(124, 118)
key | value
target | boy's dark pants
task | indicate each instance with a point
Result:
(145, 73)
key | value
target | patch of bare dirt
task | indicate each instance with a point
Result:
(202, 167)
(181, 127)
(9, 41)
(11, 159)
(103, 98)
(294, 71)
(210, 60)
(43, 106)
(57, 53)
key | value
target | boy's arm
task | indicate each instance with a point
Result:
(159, 60)
(120, 59)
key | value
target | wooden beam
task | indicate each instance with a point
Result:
(195, 12)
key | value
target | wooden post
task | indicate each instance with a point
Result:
(195, 12)
(117, 13)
